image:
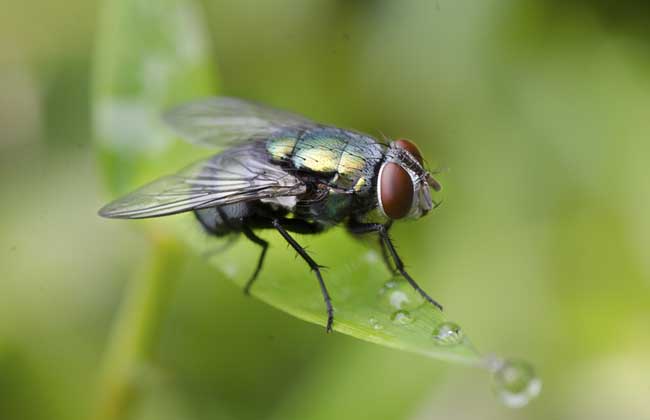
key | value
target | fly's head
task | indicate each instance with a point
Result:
(403, 183)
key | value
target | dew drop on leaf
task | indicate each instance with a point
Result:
(375, 324)
(402, 317)
(399, 295)
(448, 334)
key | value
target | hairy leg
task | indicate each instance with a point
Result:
(314, 267)
(358, 228)
(265, 245)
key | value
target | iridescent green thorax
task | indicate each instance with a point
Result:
(347, 159)
(280, 148)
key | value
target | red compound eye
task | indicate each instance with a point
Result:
(395, 191)
(410, 147)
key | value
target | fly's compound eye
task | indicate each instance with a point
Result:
(395, 191)
(410, 147)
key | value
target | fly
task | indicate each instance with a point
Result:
(286, 172)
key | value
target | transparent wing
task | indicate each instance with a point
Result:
(237, 175)
(223, 121)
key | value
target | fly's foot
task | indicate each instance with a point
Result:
(330, 321)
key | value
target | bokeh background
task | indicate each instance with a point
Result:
(539, 110)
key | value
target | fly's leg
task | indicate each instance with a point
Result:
(385, 238)
(265, 245)
(314, 267)
(385, 256)
(383, 233)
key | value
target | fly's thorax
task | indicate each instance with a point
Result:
(403, 183)
(280, 148)
(319, 152)
(335, 207)
(345, 160)
(358, 165)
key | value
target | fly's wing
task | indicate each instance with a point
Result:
(239, 174)
(223, 121)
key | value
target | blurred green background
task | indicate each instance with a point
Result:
(540, 110)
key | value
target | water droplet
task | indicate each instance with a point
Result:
(375, 324)
(230, 270)
(402, 317)
(400, 295)
(447, 334)
(371, 257)
(515, 382)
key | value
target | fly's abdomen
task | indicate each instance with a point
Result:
(223, 219)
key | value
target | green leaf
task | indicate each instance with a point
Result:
(369, 302)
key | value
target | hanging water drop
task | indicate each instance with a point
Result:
(447, 334)
(402, 317)
(515, 382)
